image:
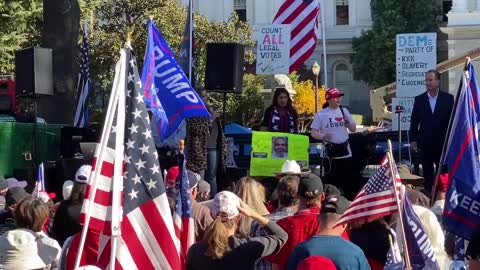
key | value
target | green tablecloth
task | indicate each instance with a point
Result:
(16, 139)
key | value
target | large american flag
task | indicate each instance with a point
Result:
(302, 15)
(184, 227)
(376, 199)
(83, 87)
(147, 236)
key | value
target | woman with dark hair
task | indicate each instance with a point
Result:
(281, 116)
(66, 222)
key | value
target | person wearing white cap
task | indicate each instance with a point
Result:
(66, 220)
(19, 251)
(220, 249)
(331, 125)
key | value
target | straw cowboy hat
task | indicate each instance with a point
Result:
(407, 177)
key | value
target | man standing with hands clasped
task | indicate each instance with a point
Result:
(429, 124)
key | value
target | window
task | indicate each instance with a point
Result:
(342, 12)
(342, 81)
(240, 7)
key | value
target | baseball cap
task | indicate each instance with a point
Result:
(172, 175)
(333, 93)
(193, 179)
(13, 182)
(335, 204)
(83, 174)
(203, 186)
(225, 205)
(310, 186)
(16, 194)
(67, 189)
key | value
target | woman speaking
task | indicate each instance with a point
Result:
(281, 116)
(330, 125)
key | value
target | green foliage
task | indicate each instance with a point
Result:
(20, 22)
(374, 58)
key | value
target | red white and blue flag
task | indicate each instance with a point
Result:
(40, 184)
(302, 16)
(83, 88)
(184, 226)
(376, 199)
(147, 236)
(462, 155)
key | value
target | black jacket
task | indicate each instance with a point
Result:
(427, 128)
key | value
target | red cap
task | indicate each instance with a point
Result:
(442, 182)
(333, 93)
(316, 262)
(172, 175)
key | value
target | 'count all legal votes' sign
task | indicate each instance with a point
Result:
(416, 54)
(273, 48)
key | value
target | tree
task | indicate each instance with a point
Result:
(374, 50)
(20, 22)
(304, 102)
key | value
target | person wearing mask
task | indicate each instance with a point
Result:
(304, 223)
(220, 249)
(281, 116)
(331, 125)
(428, 125)
(66, 221)
(329, 242)
(206, 145)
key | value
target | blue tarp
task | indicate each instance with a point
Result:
(236, 129)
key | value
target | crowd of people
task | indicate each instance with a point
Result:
(248, 224)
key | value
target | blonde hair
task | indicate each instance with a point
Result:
(217, 236)
(252, 193)
(434, 232)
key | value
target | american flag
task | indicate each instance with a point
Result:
(376, 199)
(302, 15)
(83, 86)
(183, 219)
(147, 236)
(40, 184)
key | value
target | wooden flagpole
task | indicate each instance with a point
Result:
(399, 207)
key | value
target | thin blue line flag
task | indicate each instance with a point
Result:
(462, 203)
(167, 91)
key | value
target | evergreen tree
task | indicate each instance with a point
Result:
(374, 57)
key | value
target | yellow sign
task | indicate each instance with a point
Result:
(271, 149)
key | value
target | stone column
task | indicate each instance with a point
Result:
(459, 6)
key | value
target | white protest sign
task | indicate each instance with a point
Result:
(416, 54)
(273, 48)
(407, 104)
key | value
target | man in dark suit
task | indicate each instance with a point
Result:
(429, 124)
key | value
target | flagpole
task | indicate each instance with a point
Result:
(445, 141)
(397, 200)
(101, 153)
(322, 7)
(190, 41)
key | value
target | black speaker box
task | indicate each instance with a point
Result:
(224, 69)
(34, 71)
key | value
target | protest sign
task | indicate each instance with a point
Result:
(407, 104)
(416, 54)
(273, 48)
(271, 149)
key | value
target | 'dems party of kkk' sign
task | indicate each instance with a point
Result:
(416, 54)
(273, 48)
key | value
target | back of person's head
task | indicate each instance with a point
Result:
(252, 193)
(287, 190)
(310, 190)
(225, 213)
(333, 208)
(31, 214)
(15, 195)
(80, 186)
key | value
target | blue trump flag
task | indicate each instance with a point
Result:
(167, 91)
(462, 203)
